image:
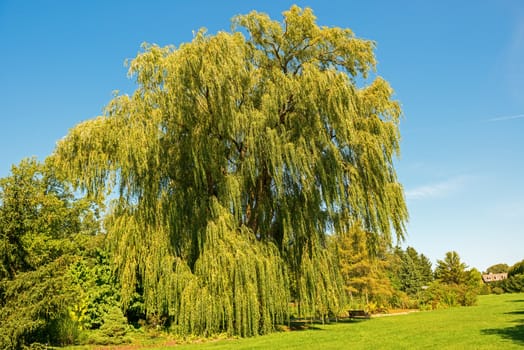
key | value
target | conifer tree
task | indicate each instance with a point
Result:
(233, 160)
(451, 270)
(364, 271)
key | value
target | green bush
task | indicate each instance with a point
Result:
(497, 290)
(34, 306)
(400, 300)
(513, 284)
(441, 295)
(114, 330)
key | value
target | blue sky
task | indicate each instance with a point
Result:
(457, 68)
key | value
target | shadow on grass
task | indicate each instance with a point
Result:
(301, 325)
(515, 333)
(520, 312)
(352, 320)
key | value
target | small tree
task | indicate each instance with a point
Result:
(451, 270)
(454, 284)
(412, 272)
(364, 272)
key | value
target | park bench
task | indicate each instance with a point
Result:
(359, 314)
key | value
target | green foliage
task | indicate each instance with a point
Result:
(113, 331)
(498, 268)
(513, 284)
(98, 291)
(320, 291)
(496, 323)
(497, 290)
(517, 269)
(440, 295)
(515, 281)
(454, 285)
(364, 271)
(42, 227)
(451, 270)
(235, 157)
(34, 306)
(39, 218)
(410, 271)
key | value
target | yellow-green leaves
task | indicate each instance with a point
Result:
(235, 157)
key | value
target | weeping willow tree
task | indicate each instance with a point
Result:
(234, 159)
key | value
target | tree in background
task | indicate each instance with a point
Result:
(451, 270)
(514, 283)
(233, 160)
(454, 284)
(498, 268)
(411, 270)
(55, 279)
(41, 227)
(364, 271)
(36, 214)
(517, 269)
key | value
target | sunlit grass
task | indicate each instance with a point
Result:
(496, 323)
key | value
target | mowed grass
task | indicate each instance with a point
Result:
(497, 322)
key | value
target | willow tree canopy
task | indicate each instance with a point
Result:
(234, 158)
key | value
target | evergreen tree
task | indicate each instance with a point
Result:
(454, 284)
(410, 270)
(41, 226)
(425, 268)
(235, 157)
(451, 270)
(364, 271)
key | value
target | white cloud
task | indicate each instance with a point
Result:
(437, 190)
(508, 117)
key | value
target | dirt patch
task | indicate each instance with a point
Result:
(396, 312)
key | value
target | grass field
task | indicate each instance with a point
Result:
(496, 323)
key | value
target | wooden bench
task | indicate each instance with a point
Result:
(359, 314)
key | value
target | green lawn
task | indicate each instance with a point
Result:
(496, 323)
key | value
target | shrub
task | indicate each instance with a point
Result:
(34, 306)
(497, 290)
(513, 284)
(442, 295)
(114, 329)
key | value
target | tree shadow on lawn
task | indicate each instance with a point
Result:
(352, 320)
(520, 312)
(302, 325)
(515, 333)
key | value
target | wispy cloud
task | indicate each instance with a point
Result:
(437, 190)
(507, 117)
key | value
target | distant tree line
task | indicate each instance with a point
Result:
(391, 277)
(514, 283)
